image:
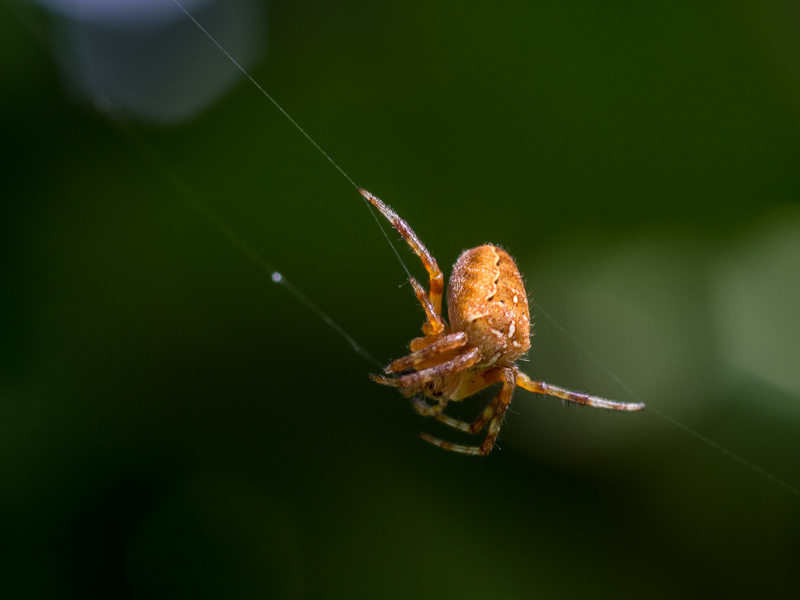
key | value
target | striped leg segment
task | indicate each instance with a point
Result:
(404, 229)
(540, 387)
(428, 410)
(435, 323)
(415, 359)
(459, 363)
(493, 415)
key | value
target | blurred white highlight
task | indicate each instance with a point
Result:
(144, 59)
(757, 294)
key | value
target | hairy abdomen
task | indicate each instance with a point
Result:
(486, 299)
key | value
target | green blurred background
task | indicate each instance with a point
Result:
(172, 423)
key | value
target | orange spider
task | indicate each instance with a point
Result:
(489, 329)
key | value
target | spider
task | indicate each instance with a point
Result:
(489, 329)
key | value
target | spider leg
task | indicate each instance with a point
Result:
(459, 363)
(435, 323)
(470, 386)
(473, 427)
(492, 414)
(461, 449)
(540, 387)
(428, 410)
(413, 360)
(437, 279)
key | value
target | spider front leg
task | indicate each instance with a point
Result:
(428, 353)
(435, 323)
(461, 362)
(432, 300)
(492, 414)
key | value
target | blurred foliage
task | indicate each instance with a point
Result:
(173, 423)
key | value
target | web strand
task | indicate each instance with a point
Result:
(210, 216)
(278, 278)
(695, 434)
(262, 90)
(295, 123)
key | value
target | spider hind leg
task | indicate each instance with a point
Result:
(461, 449)
(492, 414)
(540, 387)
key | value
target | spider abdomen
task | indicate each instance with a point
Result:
(486, 299)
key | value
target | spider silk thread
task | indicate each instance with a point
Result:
(278, 278)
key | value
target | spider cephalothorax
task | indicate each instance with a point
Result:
(489, 329)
